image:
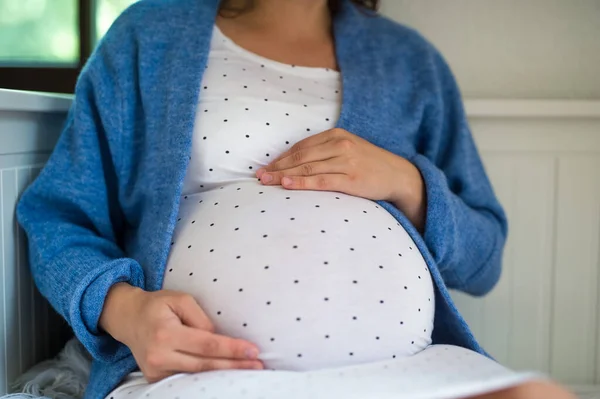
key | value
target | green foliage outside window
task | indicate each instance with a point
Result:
(46, 32)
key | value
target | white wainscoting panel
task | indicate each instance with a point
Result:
(24, 326)
(544, 162)
(575, 300)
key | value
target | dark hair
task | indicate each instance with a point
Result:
(232, 8)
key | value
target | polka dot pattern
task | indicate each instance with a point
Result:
(251, 110)
(438, 371)
(315, 279)
(287, 265)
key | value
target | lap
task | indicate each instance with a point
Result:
(438, 372)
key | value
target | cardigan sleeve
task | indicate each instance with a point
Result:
(71, 212)
(465, 227)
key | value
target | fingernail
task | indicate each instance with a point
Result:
(260, 172)
(266, 178)
(251, 354)
(286, 181)
(259, 366)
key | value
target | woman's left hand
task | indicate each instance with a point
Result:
(337, 160)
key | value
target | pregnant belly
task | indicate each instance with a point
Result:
(315, 279)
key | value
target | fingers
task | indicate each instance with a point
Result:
(177, 362)
(298, 157)
(331, 166)
(205, 344)
(325, 158)
(324, 182)
(192, 364)
(304, 154)
(190, 313)
(309, 142)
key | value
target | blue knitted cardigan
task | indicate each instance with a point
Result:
(104, 207)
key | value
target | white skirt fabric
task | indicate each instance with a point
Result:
(438, 372)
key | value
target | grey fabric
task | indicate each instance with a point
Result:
(64, 377)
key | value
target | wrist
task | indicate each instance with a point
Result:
(407, 186)
(409, 194)
(120, 307)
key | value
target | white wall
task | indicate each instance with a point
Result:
(513, 48)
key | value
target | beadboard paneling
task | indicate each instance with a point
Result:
(575, 286)
(3, 325)
(26, 286)
(21, 327)
(8, 191)
(25, 317)
(543, 314)
(513, 320)
(531, 267)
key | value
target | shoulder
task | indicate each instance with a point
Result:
(149, 20)
(158, 13)
(394, 39)
(145, 29)
(403, 51)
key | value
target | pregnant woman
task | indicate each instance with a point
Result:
(269, 199)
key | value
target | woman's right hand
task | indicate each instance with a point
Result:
(169, 333)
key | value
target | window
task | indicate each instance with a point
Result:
(38, 35)
(44, 43)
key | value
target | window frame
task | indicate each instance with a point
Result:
(59, 79)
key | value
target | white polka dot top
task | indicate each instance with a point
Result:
(251, 110)
(315, 279)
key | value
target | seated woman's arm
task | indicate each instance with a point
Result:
(465, 226)
(74, 223)
(71, 213)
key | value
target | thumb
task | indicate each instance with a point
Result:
(191, 314)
